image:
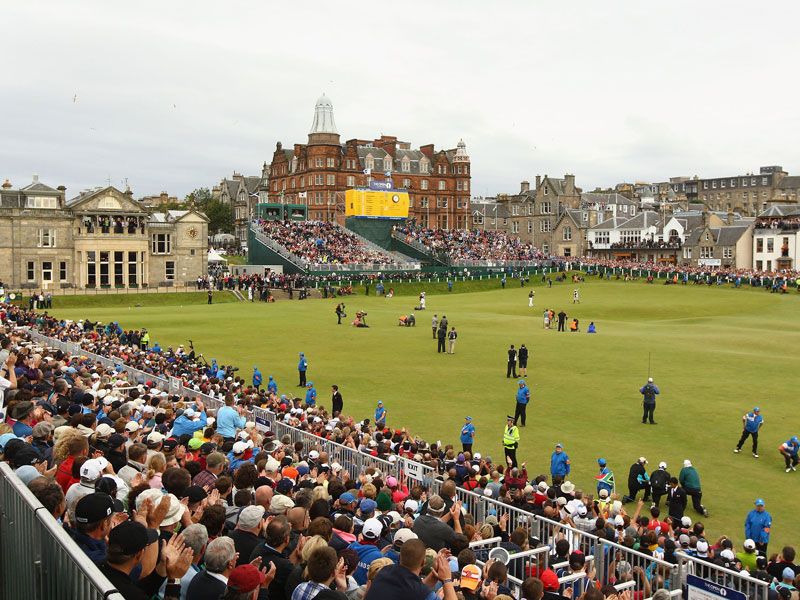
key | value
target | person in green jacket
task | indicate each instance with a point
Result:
(689, 479)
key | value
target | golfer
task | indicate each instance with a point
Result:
(649, 390)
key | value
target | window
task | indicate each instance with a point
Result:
(293, 183)
(477, 219)
(722, 183)
(545, 190)
(687, 253)
(169, 270)
(442, 184)
(443, 223)
(423, 166)
(530, 226)
(546, 249)
(515, 210)
(351, 181)
(733, 183)
(633, 210)
(585, 216)
(441, 202)
(706, 252)
(544, 225)
(369, 163)
(460, 203)
(104, 268)
(119, 269)
(705, 185)
(331, 180)
(31, 271)
(319, 179)
(727, 252)
(406, 183)
(47, 238)
(752, 181)
(62, 271)
(405, 165)
(770, 244)
(318, 162)
(162, 243)
(602, 237)
(713, 185)
(330, 163)
(744, 181)
(350, 163)
(764, 181)
(465, 185)
(458, 185)
(759, 244)
(515, 227)
(759, 265)
(544, 208)
(567, 233)
(39, 202)
(91, 269)
(132, 278)
(423, 203)
(424, 184)
(302, 182)
(567, 251)
(387, 164)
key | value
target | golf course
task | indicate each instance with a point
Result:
(715, 353)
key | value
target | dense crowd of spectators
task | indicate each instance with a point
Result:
(239, 513)
(321, 242)
(786, 223)
(470, 244)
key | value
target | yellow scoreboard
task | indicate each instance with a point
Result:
(389, 204)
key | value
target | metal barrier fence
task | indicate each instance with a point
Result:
(37, 557)
(607, 555)
(754, 589)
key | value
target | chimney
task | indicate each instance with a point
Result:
(427, 150)
(705, 216)
(35, 178)
(538, 181)
(569, 181)
(525, 186)
(729, 220)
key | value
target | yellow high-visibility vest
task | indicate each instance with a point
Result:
(510, 436)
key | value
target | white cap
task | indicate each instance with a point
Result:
(313, 455)
(649, 380)
(240, 447)
(619, 521)
(687, 463)
(148, 409)
(411, 504)
(132, 426)
(155, 437)
(477, 456)
(643, 460)
(189, 413)
(749, 544)
(727, 554)
(662, 465)
(372, 529)
(92, 469)
(686, 521)
(104, 430)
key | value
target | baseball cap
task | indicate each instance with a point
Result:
(313, 455)
(131, 537)
(93, 468)
(208, 448)
(687, 463)
(155, 438)
(174, 512)
(603, 493)
(240, 447)
(521, 382)
(601, 462)
(26, 455)
(559, 445)
(195, 443)
(662, 465)
(549, 579)
(401, 536)
(132, 426)
(372, 529)
(470, 577)
(245, 578)
(727, 554)
(756, 409)
(368, 506)
(686, 521)
(96, 507)
(788, 573)
(104, 430)
(749, 544)
(347, 498)
(195, 493)
(411, 505)
(391, 482)
(759, 502)
(702, 547)
(251, 516)
(684, 540)
(189, 413)
(284, 486)
(643, 460)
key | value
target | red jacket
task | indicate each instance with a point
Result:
(64, 474)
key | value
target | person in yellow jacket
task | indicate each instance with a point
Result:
(511, 442)
(144, 341)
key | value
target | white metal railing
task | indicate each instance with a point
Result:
(38, 559)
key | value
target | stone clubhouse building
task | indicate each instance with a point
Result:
(102, 238)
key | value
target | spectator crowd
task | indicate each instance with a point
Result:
(470, 244)
(171, 501)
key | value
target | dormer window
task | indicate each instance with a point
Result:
(405, 165)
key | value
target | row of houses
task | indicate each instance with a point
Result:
(562, 220)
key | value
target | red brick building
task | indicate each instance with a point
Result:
(318, 173)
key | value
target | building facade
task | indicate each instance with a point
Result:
(242, 193)
(318, 173)
(102, 238)
(749, 194)
(776, 238)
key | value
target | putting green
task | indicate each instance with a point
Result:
(715, 352)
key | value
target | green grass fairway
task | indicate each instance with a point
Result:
(716, 352)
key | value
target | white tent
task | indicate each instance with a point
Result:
(215, 257)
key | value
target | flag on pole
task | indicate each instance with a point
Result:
(367, 171)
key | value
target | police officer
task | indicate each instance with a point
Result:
(649, 391)
(511, 441)
(752, 424)
(523, 397)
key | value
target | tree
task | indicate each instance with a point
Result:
(220, 215)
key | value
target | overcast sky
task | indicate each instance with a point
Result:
(177, 95)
